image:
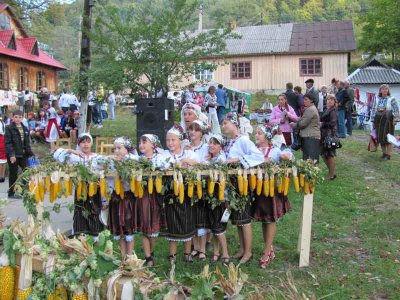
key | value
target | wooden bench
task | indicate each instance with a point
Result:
(62, 141)
(106, 149)
(105, 140)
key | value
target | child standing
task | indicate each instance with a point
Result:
(121, 218)
(268, 210)
(149, 215)
(52, 131)
(181, 218)
(3, 157)
(240, 149)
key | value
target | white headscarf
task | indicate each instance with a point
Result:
(196, 110)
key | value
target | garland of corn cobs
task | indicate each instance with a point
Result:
(264, 180)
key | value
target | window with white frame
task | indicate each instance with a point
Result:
(203, 74)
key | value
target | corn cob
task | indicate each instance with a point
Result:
(158, 184)
(7, 286)
(66, 187)
(150, 185)
(92, 189)
(221, 191)
(136, 190)
(286, 184)
(80, 297)
(199, 186)
(259, 182)
(211, 184)
(266, 185)
(84, 191)
(59, 189)
(59, 294)
(190, 189)
(253, 180)
(17, 271)
(117, 185)
(295, 180)
(79, 190)
(279, 184)
(37, 194)
(245, 183)
(176, 184)
(41, 191)
(132, 185)
(24, 294)
(271, 185)
(31, 186)
(52, 192)
(181, 188)
(306, 187)
(301, 180)
(103, 187)
(312, 185)
(47, 183)
(139, 186)
(240, 181)
(122, 190)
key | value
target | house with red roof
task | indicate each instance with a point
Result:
(22, 64)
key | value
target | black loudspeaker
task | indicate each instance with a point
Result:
(155, 116)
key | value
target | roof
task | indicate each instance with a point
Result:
(374, 72)
(332, 36)
(24, 46)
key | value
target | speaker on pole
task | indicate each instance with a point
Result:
(155, 116)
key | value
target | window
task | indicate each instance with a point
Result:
(40, 80)
(12, 44)
(4, 77)
(311, 66)
(23, 78)
(241, 70)
(203, 75)
(4, 22)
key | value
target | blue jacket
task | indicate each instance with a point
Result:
(222, 97)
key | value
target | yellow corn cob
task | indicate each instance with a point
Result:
(190, 189)
(199, 189)
(158, 184)
(240, 182)
(259, 186)
(253, 181)
(271, 186)
(47, 182)
(84, 191)
(31, 186)
(176, 188)
(59, 189)
(306, 187)
(302, 180)
(16, 279)
(79, 190)
(211, 187)
(59, 294)
(41, 191)
(117, 185)
(37, 194)
(103, 187)
(280, 185)
(132, 185)
(122, 190)
(296, 184)
(139, 189)
(181, 192)
(92, 189)
(52, 193)
(312, 186)
(286, 184)
(221, 191)
(7, 286)
(80, 297)
(245, 186)
(71, 186)
(150, 185)
(66, 188)
(24, 294)
(266, 187)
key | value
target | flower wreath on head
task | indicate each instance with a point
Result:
(153, 139)
(205, 128)
(233, 117)
(124, 141)
(178, 130)
(221, 139)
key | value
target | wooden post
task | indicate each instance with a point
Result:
(305, 230)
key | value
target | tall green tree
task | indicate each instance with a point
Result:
(381, 28)
(152, 45)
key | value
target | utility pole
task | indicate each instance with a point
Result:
(85, 62)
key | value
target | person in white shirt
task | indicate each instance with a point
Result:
(73, 102)
(210, 103)
(63, 102)
(111, 104)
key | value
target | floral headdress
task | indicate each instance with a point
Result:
(84, 136)
(205, 128)
(269, 131)
(219, 138)
(124, 141)
(177, 130)
(233, 117)
(152, 138)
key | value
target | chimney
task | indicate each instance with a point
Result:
(232, 25)
(201, 18)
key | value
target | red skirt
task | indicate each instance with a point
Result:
(288, 138)
(149, 214)
(270, 209)
(121, 214)
(2, 148)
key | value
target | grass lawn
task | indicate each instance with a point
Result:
(355, 248)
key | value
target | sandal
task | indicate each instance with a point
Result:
(237, 256)
(202, 256)
(188, 257)
(149, 261)
(193, 254)
(214, 259)
(172, 259)
(243, 262)
(225, 260)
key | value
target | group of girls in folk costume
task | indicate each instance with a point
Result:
(86, 211)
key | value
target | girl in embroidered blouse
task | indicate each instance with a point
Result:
(181, 218)
(121, 217)
(269, 209)
(150, 219)
(241, 149)
(384, 116)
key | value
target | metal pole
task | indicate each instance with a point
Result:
(85, 63)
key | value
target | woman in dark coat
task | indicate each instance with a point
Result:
(328, 128)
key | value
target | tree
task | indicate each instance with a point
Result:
(381, 28)
(152, 45)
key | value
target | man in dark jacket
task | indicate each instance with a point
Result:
(18, 148)
(310, 89)
(342, 98)
(293, 100)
